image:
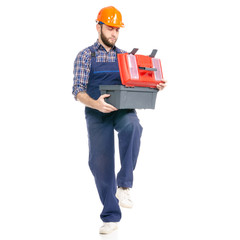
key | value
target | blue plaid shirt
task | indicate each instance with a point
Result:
(82, 65)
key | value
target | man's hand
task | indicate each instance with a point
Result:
(161, 86)
(104, 107)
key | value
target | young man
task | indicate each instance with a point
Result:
(94, 66)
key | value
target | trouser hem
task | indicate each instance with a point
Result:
(125, 184)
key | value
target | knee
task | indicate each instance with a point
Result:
(136, 126)
(133, 128)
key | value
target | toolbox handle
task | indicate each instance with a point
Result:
(147, 69)
(134, 51)
(153, 53)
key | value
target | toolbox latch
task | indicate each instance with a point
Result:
(147, 69)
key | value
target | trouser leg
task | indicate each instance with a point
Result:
(129, 131)
(101, 162)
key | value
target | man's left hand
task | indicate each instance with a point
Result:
(162, 85)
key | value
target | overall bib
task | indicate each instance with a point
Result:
(101, 128)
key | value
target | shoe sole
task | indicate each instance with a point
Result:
(104, 233)
(125, 206)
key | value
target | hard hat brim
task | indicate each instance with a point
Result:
(111, 24)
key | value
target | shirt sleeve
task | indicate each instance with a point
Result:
(82, 65)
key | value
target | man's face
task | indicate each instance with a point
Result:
(109, 35)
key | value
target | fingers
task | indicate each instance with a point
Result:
(162, 85)
(105, 95)
(105, 107)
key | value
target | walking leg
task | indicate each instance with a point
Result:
(129, 133)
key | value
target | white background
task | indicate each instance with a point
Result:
(187, 178)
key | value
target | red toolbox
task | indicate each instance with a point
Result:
(140, 70)
(139, 75)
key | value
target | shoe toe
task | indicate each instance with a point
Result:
(108, 228)
(126, 203)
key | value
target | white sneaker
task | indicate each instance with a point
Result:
(108, 227)
(123, 195)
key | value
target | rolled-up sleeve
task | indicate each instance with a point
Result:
(82, 65)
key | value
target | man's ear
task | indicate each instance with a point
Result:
(98, 27)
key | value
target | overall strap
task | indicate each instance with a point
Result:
(93, 53)
(118, 50)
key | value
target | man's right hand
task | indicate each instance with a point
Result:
(104, 107)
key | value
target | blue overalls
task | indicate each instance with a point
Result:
(101, 128)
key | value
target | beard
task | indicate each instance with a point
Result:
(106, 41)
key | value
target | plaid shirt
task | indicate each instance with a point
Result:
(82, 65)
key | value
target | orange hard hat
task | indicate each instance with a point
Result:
(110, 16)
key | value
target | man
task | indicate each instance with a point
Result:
(94, 66)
